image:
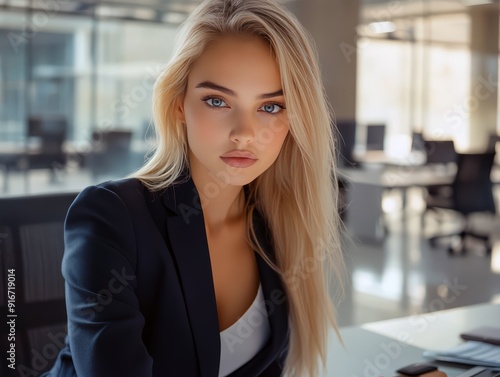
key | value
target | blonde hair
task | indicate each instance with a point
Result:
(297, 195)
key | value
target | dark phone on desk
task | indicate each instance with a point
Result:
(483, 334)
(481, 372)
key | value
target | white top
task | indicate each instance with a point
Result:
(245, 338)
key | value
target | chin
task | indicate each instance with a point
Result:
(242, 180)
(236, 176)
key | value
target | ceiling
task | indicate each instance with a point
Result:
(445, 20)
(159, 10)
(375, 9)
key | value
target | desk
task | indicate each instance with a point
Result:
(439, 330)
(414, 158)
(366, 186)
(14, 156)
(379, 348)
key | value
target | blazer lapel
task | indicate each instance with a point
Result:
(186, 232)
(276, 306)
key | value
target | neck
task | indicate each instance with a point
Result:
(222, 204)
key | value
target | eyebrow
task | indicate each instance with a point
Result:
(211, 85)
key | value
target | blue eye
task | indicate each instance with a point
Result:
(215, 102)
(272, 108)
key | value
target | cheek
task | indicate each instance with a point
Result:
(273, 135)
(201, 125)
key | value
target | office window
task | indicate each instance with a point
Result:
(383, 92)
(126, 71)
(53, 72)
(414, 75)
(448, 99)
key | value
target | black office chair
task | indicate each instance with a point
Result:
(375, 136)
(440, 154)
(345, 132)
(471, 192)
(440, 151)
(111, 154)
(31, 243)
(345, 137)
(417, 141)
(51, 130)
(493, 140)
(493, 144)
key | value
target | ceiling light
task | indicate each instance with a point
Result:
(470, 3)
(174, 17)
(382, 27)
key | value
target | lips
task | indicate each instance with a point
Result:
(239, 159)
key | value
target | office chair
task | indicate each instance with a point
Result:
(345, 133)
(493, 145)
(110, 156)
(51, 130)
(493, 140)
(471, 192)
(375, 136)
(32, 243)
(440, 151)
(417, 141)
(440, 154)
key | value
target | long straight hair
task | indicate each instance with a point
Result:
(297, 195)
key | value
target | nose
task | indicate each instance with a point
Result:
(243, 132)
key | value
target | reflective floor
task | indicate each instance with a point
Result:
(404, 275)
(400, 276)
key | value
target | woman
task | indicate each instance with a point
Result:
(210, 260)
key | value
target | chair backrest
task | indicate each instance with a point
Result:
(417, 141)
(112, 141)
(375, 136)
(111, 154)
(472, 186)
(493, 140)
(440, 151)
(50, 129)
(346, 140)
(32, 244)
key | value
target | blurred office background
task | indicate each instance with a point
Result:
(76, 80)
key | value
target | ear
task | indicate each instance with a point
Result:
(179, 108)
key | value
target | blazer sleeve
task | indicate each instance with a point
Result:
(105, 323)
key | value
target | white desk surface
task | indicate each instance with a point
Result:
(368, 354)
(380, 348)
(438, 330)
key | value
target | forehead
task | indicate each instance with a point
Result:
(238, 60)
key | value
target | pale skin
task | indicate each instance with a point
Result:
(233, 101)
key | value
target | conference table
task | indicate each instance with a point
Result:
(380, 348)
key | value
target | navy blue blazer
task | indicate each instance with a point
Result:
(139, 290)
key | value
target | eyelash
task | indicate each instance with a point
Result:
(280, 105)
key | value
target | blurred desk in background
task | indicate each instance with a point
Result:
(378, 157)
(16, 156)
(365, 189)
